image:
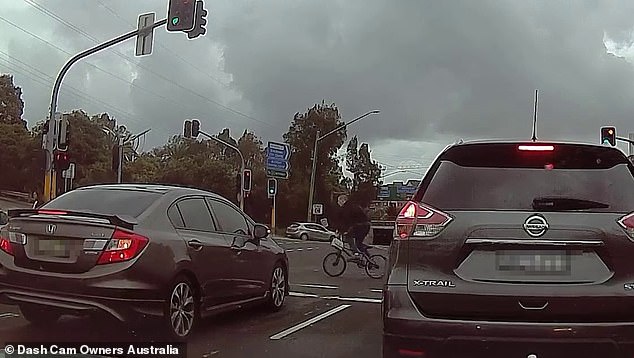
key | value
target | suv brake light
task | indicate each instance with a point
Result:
(537, 148)
(627, 223)
(5, 245)
(420, 221)
(123, 246)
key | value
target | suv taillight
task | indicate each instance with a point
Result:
(5, 245)
(627, 223)
(420, 221)
(123, 246)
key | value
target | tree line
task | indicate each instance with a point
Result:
(199, 163)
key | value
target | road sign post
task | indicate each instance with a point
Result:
(145, 38)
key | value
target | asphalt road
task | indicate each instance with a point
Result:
(323, 317)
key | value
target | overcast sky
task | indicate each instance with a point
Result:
(437, 70)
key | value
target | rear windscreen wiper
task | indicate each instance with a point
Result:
(564, 203)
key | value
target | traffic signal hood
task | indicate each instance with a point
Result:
(199, 23)
(63, 137)
(195, 128)
(187, 129)
(180, 15)
(272, 187)
(247, 180)
(62, 160)
(608, 135)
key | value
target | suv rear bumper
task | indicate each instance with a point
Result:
(407, 333)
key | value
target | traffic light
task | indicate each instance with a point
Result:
(62, 160)
(247, 180)
(63, 137)
(187, 130)
(200, 22)
(180, 15)
(608, 136)
(272, 187)
(195, 128)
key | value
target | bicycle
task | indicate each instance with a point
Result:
(335, 263)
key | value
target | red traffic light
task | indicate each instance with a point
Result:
(62, 161)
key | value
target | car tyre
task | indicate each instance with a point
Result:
(304, 237)
(182, 309)
(278, 288)
(39, 315)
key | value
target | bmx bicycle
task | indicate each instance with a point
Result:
(335, 263)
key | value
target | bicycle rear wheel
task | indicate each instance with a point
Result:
(334, 264)
(376, 266)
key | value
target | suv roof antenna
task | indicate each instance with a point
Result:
(535, 117)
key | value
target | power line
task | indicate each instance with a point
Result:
(43, 79)
(128, 59)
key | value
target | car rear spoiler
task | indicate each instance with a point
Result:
(117, 220)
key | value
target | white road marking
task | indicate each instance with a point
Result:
(353, 299)
(290, 250)
(337, 298)
(302, 294)
(9, 315)
(319, 286)
(300, 249)
(375, 290)
(307, 323)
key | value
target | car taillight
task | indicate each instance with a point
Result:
(5, 245)
(420, 221)
(627, 223)
(537, 148)
(123, 246)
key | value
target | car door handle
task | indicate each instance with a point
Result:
(195, 244)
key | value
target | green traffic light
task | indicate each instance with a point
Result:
(175, 20)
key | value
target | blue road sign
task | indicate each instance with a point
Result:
(277, 164)
(277, 156)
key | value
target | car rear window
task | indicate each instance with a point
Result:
(502, 177)
(106, 201)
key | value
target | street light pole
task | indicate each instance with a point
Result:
(50, 189)
(242, 165)
(314, 167)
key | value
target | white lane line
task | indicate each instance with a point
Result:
(290, 250)
(9, 315)
(302, 294)
(375, 290)
(337, 298)
(308, 322)
(318, 286)
(353, 299)
(303, 249)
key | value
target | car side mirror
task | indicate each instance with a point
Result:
(260, 231)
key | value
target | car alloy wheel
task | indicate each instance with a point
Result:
(278, 287)
(182, 309)
(304, 237)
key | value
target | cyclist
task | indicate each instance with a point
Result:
(355, 223)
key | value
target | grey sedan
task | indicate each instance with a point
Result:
(309, 231)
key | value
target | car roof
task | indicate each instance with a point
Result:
(155, 188)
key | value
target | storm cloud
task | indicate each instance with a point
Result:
(437, 70)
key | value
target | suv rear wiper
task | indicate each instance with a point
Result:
(564, 203)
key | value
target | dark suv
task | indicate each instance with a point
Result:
(513, 249)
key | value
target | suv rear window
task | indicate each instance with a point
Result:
(502, 177)
(105, 201)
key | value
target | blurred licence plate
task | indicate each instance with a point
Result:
(52, 248)
(545, 261)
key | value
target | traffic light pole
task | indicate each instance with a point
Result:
(50, 189)
(242, 164)
(631, 141)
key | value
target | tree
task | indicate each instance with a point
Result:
(366, 172)
(293, 198)
(11, 104)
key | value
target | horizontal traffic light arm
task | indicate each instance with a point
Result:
(625, 140)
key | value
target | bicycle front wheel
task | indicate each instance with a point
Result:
(376, 266)
(334, 264)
